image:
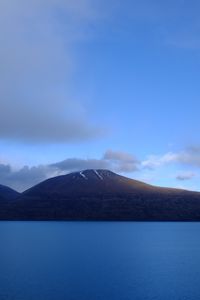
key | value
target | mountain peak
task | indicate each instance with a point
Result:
(99, 174)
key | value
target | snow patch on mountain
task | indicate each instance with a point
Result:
(98, 175)
(83, 175)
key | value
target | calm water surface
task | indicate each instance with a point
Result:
(99, 261)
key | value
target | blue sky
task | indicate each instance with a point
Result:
(100, 84)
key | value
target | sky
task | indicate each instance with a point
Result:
(100, 84)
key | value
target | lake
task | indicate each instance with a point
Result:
(99, 261)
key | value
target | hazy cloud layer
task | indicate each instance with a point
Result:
(26, 177)
(154, 161)
(36, 57)
(37, 39)
(189, 157)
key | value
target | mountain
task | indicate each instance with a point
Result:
(7, 193)
(7, 198)
(102, 195)
(87, 183)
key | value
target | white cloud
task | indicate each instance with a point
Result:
(189, 157)
(154, 161)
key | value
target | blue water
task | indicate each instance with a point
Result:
(99, 261)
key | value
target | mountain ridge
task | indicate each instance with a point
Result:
(102, 174)
(98, 194)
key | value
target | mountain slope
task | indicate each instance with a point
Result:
(7, 193)
(7, 198)
(92, 182)
(87, 182)
(103, 195)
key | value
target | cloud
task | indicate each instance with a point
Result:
(75, 164)
(185, 176)
(121, 161)
(26, 177)
(154, 161)
(189, 157)
(114, 160)
(36, 58)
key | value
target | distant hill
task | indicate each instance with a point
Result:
(102, 195)
(7, 193)
(7, 197)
